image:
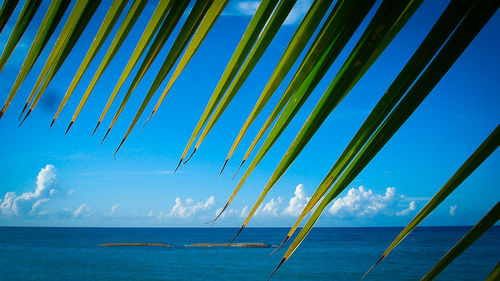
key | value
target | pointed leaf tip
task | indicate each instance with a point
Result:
(373, 266)
(178, 165)
(272, 273)
(121, 143)
(220, 213)
(223, 166)
(105, 135)
(192, 153)
(97, 126)
(22, 111)
(70, 124)
(238, 233)
(242, 162)
(282, 243)
(149, 118)
(26, 116)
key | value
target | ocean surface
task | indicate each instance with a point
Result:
(28, 253)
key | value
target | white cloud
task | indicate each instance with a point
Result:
(297, 203)
(361, 202)
(453, 209)
(298, 11)
(28, 202)
(244, 212)
(406, 211)
(82, 210)
(188, 208)
(248, 7)
(114, 208)
(271, 208)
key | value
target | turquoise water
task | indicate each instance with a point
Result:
(327, 254)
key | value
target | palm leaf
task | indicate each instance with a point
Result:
(481, 154)
(199, 10)
(333, 36)
(24, 19)
(320, 56)
(206, 24)
(76, 23)
(477, 231)
(123, 31)
(52, 17)
(154, 23)
(166, 29)
(463, 35)
(295, 46)
(364, 54)
(6, 11)
(495, 274)
(248, 39)
(445, 25)
(107, 25)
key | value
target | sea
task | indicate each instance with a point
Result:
(39, 253)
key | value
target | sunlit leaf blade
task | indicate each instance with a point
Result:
(334, 35)
(107, 25)
(24, 19)
(478, 157)
(61, 40)
(154, 23)
(166, 29)
(52, 17)
(206, 24)
(445, 25)
(295, 46)
(495, 274)
(228, 97)
(460, 39)
(76, 26)
(123, 31)
(6, 11)
(331, 40)
(477, 231)
(248, 39)
(364, 54)
(192, 22)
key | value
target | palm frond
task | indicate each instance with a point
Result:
(107, 25)
(196, 15)
(75, 25)
(166, 29)
(6, 11)
(495, 274)
(460, 39)
(440, 32)
(127, 24)
(478, 157)
(248, 39)
(363, 56)
(477, 231)
(298, 42)
(24, 19)
(154, 23)
(50, 21)
(320, 56)
(205, 26)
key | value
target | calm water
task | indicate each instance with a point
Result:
(327, 254)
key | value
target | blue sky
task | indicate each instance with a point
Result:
(49, 179)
